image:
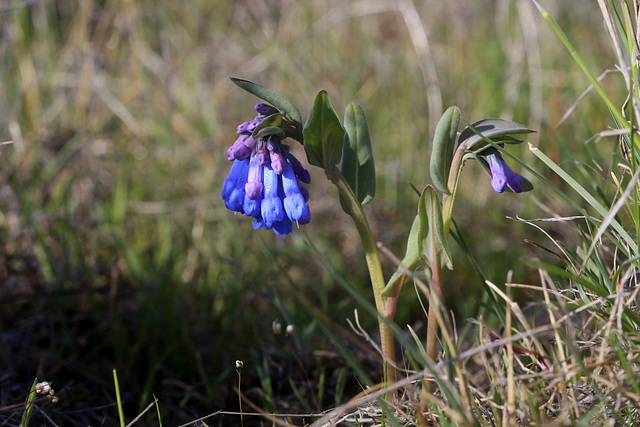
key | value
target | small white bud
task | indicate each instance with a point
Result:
(277, 327)
(290, 329)
(43, 388)
(239, 364)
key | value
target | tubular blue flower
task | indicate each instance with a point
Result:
(502, 175)
(272, 209)
(234, 175)
(294, 203)
(234, 190)
(252, 206)
(266, 182)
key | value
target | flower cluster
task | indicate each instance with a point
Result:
(502, 175)
(266, 181)
(44, 388)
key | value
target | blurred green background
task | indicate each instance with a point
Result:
(117, 251)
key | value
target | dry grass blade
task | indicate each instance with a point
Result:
(548, 283)
(148, 408)
(510, 413)
(573, 106)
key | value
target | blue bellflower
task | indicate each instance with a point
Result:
(502, 175)
(266, 182)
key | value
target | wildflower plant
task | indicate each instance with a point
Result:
(266, 182)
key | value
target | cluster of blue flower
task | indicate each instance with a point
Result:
(266, 181)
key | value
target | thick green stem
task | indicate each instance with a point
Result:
(447, 201)
(375, 270)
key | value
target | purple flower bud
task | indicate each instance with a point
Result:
(232, 149)
(247, 128)
(252, 125)
(277, 162)
(242, 129)
(503, 176)
(244, 149)
(272, 143)
(263, 155)
(265, 109)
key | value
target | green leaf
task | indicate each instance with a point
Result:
(358, 167)
(278, 101)
(595, 204)
(493, 129)
(269, 130)
(528, 186)
(272, 120)
(323, 133)
(427, 232)
(434, 247)
(411, 258)
(443, 148)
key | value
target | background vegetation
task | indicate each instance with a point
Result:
(117, 253)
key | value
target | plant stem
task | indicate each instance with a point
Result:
(432, 329)
(447, 201)
(375, 270)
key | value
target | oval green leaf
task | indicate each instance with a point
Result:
(358, 166)
(411, 258)
(493, 129)
(274, 120)
(269, 130)
(323, 133)
(434, 246)
(443, 148)
(277, 100)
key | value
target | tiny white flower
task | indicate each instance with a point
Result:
(277, 327)
(290, 329)
(43, 388)
(239, 364)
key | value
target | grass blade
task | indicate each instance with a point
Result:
(578, 59)
(586, 196)
(118, 399)
(24, 422)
